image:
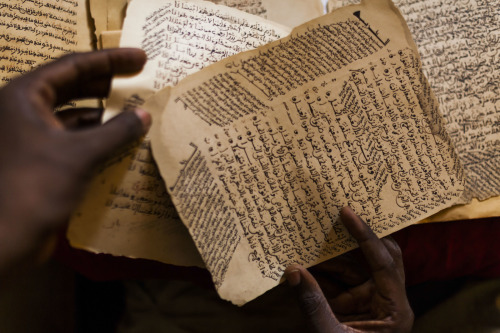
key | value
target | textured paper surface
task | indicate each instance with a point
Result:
(108, 15)
(110, 39)
(33, 32)
(127, 210)
(459, 46)
(261, 150)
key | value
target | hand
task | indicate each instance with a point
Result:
(372, 299)
(45, 165)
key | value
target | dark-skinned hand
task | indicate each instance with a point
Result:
(47, 159)
(364, 291)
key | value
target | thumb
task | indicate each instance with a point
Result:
(100, 142)
(312, 301)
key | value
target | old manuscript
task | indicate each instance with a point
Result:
(33, 32)
(260, 151)
(127, 210)
(459, 45)
(108, 15)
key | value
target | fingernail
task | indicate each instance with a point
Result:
(293, 277)
(145, 118)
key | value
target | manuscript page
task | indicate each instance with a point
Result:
(180, 40)
(287, 12)
(261, 150)
(127, 210)
(128, 213)
(459, 45)
(33, 32)
(109, 14)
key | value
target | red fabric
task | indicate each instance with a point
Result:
(443, 251)
(431, 252)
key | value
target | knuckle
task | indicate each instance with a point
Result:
(392, 246)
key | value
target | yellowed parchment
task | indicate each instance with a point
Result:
(185, 46)
(260, 151)
(287, 12)
(108, 15)
(110, 39)
(474, 210)
(127, 211)
(33, 32)
(460, 58)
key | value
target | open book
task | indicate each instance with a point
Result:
(261, 150)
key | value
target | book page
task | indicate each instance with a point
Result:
(172, 33)
(129, 194)
(261, 150)
(287, 12)
(33, 32)
(458, 42)
(109, 14)
(129, 213)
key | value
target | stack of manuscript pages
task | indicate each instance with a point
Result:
(261, 133)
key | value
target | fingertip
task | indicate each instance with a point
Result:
(347, 212)
(127, 60)
(293, 276)
(349, 218)
(145, 118)
(136, 54)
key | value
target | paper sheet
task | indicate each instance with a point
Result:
(108, 15)
(182, 47)
(261, 150)
(129, 190)
(127, 217)
(287, 12)
(110, 39)
(33, 32)
(459, 46)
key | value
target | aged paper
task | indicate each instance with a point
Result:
(180, 38)
(458, 42)
(129, 195)
(108, 15)
(474, 210)
(110, 39)
(287, 12)
(33, 32)
(261, 150)
(129, 213)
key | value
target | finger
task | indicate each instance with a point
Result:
(100, 142)
(380, 261)
(396, 253)
(312, 301)
(83, 75)
(79, 118)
